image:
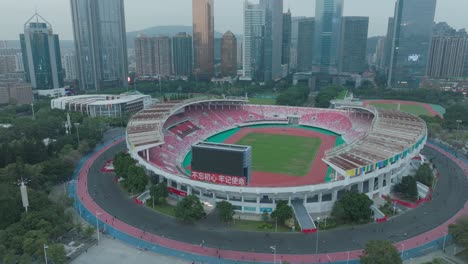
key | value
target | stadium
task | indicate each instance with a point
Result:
(224, 149)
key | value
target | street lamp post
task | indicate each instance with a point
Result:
(45, 252)
(445, 239)
(274, 253)
(32, 108)
(77, 132)
(317, 240)
(97, 224)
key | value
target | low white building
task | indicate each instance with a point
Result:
(102, 105)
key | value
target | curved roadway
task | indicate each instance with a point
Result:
(448, 199)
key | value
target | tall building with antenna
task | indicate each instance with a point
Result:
(41, 54)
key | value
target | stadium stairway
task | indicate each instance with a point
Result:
(305, 220)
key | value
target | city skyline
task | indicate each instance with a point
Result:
(228, 14)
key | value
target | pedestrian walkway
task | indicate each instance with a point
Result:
(303, 217)
(113, 251)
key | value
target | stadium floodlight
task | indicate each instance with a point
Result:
(24, 192)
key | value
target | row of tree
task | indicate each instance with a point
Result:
(135, 179)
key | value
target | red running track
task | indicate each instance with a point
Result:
(426, 106)
(317, 171)
(89, 203)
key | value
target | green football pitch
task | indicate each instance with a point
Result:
(416, 110)
(282, 154)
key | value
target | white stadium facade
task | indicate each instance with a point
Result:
(379, 146)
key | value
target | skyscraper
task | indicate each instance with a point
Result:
(203, 38)
(182, 54)
(352, 56)
(69, 64)
(41, 55)
(294, 42)
(100, 43)
(229, 54)
(328, 16)
(305, 46)
(162, 56)
(388, 44)
(144, 56)
(287, 31)
(254, 35)
(447, 56)
(411, 41)
(273, 38)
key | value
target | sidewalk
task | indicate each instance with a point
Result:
(115, 252)
(448, 256)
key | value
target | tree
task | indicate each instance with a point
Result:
(225, 211)
(189, 209)
(380, 252)
(424, 175)
(459, 232)
(136, 179)
(282, 212)
(265, 216)
(159, 191)
(353, 207)
(408, 188)
(56, 252)
(325, 96)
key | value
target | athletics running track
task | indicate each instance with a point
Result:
(410, 248)
(428, 107)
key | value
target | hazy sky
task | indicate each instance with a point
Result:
(228, 14)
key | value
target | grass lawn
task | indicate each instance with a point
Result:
(412, 109)
(262, 101)
(282, 154)
(164, 209)
(257, 226)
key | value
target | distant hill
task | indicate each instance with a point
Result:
(160, 30)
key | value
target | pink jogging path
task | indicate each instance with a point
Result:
(91, 206)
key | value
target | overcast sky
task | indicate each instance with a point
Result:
(228, 14)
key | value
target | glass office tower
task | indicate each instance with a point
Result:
(412, 33)
(328, 22)
(100, 43)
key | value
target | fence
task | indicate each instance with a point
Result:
(434, 240)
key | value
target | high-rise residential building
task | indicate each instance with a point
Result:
(229, 54)
(182, 59)
(273, 38)
(328, 17)
(305, 46)
(162, 56)
(7, 64)
(240, 52)
(69, 64)
(41, 54)
(379, 56)
(352, 56)
(287, 31)
(100, 43)
(447, 56)
(144, 56)
(203, 39)
(294, 42)
(412, 32)
(15, 92)
(253, 47)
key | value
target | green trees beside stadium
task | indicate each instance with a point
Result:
(459, 232)
(380, 252)
(407, 188)
(135, 176)
(189, 209)
(282, 212)
(353, 207)
(225, 211)
(159, 193)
